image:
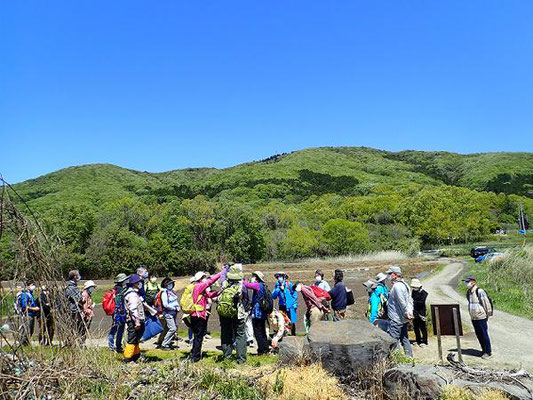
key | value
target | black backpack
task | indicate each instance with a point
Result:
(477, 295)
(266, 304)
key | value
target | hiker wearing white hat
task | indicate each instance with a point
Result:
(419, 296)
(373, 306)
(87, 306)
(382, 290)
(399, 308)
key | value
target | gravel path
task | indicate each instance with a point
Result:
(510, 334)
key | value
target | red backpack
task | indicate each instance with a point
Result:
(321, 293)
(158, 304)
(108, 302)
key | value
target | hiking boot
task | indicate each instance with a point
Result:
(423, 345)
(486, 356)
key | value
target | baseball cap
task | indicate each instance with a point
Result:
(394, 269)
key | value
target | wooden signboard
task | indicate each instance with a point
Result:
(447, 321)
(447, 325)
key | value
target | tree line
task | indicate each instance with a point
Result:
(180, 236)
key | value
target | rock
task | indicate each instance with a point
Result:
(524, 390)
(426, 382)
(293, 349)
(348, 346)
(413, 382)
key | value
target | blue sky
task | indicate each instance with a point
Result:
(171, 84)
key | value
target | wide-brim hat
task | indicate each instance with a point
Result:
(416, 283)
(166, 281)
(381, 277)
(134, 278)
(121, 277)
(89, 284)
(199, 275)
(260, 276)
(370, 284)
(235, 272)
(280, 273)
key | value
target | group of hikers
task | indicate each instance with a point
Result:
(143, 308)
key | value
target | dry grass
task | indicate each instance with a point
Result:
(310, 382)
(390, 255)
(453, 392)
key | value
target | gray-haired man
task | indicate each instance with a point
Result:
(400, 308)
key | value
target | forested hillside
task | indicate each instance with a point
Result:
(314, 202)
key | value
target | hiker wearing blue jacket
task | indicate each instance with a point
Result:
(382, 288)
(258, 315)
(374, 301)
(288, 298)
(29, 309)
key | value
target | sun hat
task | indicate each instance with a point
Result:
(260, 276)
(394, 269)
(191, 279)
(280, 273)
(134, 278)
(121, 277)
(235, 272)
(370, 284)
(416, 283)
(166, 281)
(199, 275)
(89, 284)
(381, 277)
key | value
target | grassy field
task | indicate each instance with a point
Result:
(509, 282)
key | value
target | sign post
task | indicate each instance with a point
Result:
(439, 340)
(457, 336)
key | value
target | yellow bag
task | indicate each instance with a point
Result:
(187, 304)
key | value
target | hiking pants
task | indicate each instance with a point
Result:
(116, 333)
(199, 329)
(315, 315)
(482, 332)
(27, 328)
(249, 329)
(421, 331)
(46, 330)
(132, 351)
(260, 335)
(171, 327)
(398, 331)
(233, 330)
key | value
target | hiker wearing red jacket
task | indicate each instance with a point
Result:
(316, 310)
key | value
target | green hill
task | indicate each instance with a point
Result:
(345, 170)
(313, 202)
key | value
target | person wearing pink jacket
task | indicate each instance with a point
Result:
(200, 297)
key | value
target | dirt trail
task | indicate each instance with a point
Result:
(510, 334)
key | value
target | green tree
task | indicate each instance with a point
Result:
(345, 237)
